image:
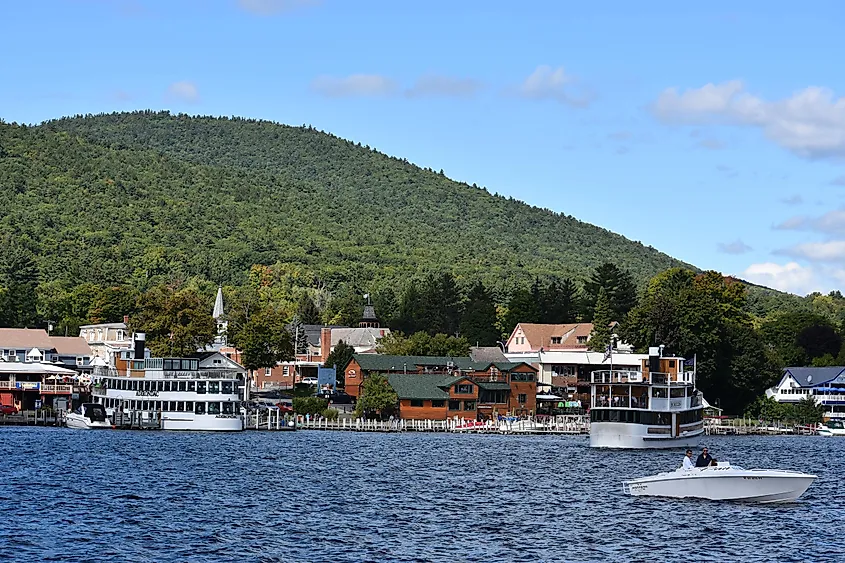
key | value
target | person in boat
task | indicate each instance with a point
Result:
(704, 459)
(688, 461)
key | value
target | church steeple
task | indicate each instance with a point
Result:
(222, 323)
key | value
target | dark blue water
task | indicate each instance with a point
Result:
(320, 496)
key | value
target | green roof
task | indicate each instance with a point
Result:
(382, 362)
(493, 385)
(422, 385)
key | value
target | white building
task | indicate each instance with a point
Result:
(825, 385)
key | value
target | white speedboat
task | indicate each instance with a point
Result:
(832, 428)
(88, 416)
(723, 482)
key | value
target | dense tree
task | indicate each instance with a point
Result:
(338, 358)
(263, 339)
(423, 344)
(522, 308)
(559, 302)
(602, 317)
(620, 288)
(176, 322)
(306, 310)
(19, 282)
(377, 398)
(478, 322)
(799, 338)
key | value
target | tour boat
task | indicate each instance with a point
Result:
(723, 482)
(87, 417)
(201, 392)
(655, 407)
(831, 428)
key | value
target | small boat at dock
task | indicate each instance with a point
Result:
(831, 428)
(723, 482)
(88, 417)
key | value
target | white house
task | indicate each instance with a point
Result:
(825, 385)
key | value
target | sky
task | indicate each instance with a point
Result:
(714, 132)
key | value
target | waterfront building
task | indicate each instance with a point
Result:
(32, 385)
(35, 345)
(106, 339)
(495, 388)
(825, 385)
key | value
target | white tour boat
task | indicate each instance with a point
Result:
(87, 417)
(832, 428)
(200, 392)
(656, 407)
(723, 482)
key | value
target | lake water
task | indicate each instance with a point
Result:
(340, 496)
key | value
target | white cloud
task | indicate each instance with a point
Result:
(810, 123)
(735, 247)
(832, 222)
(547, 83)
(273, 7)
(830, 251)
(790, 277)
(355, 85)
(184, 90)
(437, 85)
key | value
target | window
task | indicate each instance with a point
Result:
(180, 406)
(522, 398)
(416, 402)
(285, 371)
(556, 339)
(199, 408)
(189, 406)
(438, 404)
(226, 387)
(581, 339)
(201, 387)
(217, 362)
(522, 376)
(228, 407)
(677, 392)
(192, 386)
(463, 389)
(213, 408)
(181, 386)
(454, 405)
(213, 387)
(469, 405)
(268, 372)
(671, 363)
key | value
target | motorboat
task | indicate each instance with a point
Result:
(88, 416)
(723, 482)
(832, 428)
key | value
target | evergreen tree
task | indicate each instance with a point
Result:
(19, 281)
(522, 308)
(478, 322)
(307, 311)
(377, 398)
(603, 316)
(559, 302)
(619, 286)
(338, 358)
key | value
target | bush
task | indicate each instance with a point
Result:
(309, 405)
(330, 414)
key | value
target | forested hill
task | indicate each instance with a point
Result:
(149, 196)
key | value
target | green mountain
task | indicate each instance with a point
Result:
(149, 196)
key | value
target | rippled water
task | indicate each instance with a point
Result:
(321, 496)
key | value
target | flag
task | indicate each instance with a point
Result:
(608, 353)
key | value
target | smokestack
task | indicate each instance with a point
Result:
(140, 345)
(325, 343)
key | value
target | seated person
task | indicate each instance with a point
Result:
(687, 463)
(703, 459)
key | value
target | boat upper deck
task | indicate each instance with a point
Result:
(604, 377)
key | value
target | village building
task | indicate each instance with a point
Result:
(106, 339)
(472, 390)
(561, 354)
(38, 369)
(825, 385)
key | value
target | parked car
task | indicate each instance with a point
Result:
(337, 397)
(309, 380)
(8, 409)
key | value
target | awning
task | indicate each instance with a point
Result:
(548, 397)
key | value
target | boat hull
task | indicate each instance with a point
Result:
(635, 436)
(761, 486)
(207, 423)
(82, 423)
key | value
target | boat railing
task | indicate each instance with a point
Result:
(632, 376)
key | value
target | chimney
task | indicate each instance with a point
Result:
(140, 345)
(325, 343)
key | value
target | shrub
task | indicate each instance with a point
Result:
(309, 405)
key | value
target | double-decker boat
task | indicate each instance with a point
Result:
(200, 392)
(655, 407)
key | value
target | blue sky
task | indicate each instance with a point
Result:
(714, 132)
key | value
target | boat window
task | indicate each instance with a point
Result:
(173, 406)
(180, 406)
(226, 387)
(189, 406)
(145, 405)
(659, 392)
(228, 407)
(191, 386)
(169, 365)
(199, 408)
(214, 387)
(213, 408)
(677, 392)
(201, 387)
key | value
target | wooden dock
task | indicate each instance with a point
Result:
(750, 427)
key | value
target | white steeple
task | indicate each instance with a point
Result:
(218, 304)
(222, 324)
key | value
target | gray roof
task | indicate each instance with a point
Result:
(487, 354)
(314, 332)
(383, 362)
(811, 377)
